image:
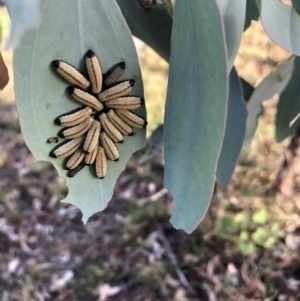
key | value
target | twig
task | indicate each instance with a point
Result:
(156, 196)
(217, 283)
(294, 120)
(173, 260)
(253, 283)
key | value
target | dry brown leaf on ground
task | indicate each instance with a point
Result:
(4, 78)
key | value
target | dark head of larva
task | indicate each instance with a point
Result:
(55, 64)
(131, 82)
(71, 89)
(122, 65)
(61, 133)
(105, 110)
(52, 154)
(57, 121)
(90, 53)
(71, 173)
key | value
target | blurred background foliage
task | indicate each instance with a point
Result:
(246, 248)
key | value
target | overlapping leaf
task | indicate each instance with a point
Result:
(274, 83)
(24, 15)
(247, 89)
(233, 14)
(296, 5)
(282, 24)
(258, 3)
(40, 92)
(252, 13)
(235, 130)
(152, 26)
(155, 145)
(195, 109)
(289, 105)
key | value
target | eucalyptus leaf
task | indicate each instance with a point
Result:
(196, 109)
(252, 13)
(233, 13)
(24, 15)
(154, 146)
(274, 83)
(296, 5)
(289, 105)
(169, 5)
(282, 24)
(247, 89)
(152, 26)
(40, 91)
(235, 131)
(258, 3)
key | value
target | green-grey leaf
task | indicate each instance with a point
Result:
(233, 13)
(282, 24)
(195, 109)
(296, 5)
(252, 13)
(274, 83)
(24, 15)
(152, 26)
(289, 105)
(40, 92)
(235, 131)
(155, 145)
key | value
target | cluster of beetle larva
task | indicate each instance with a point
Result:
(93, 129)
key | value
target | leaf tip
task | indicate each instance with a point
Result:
(84, 218)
